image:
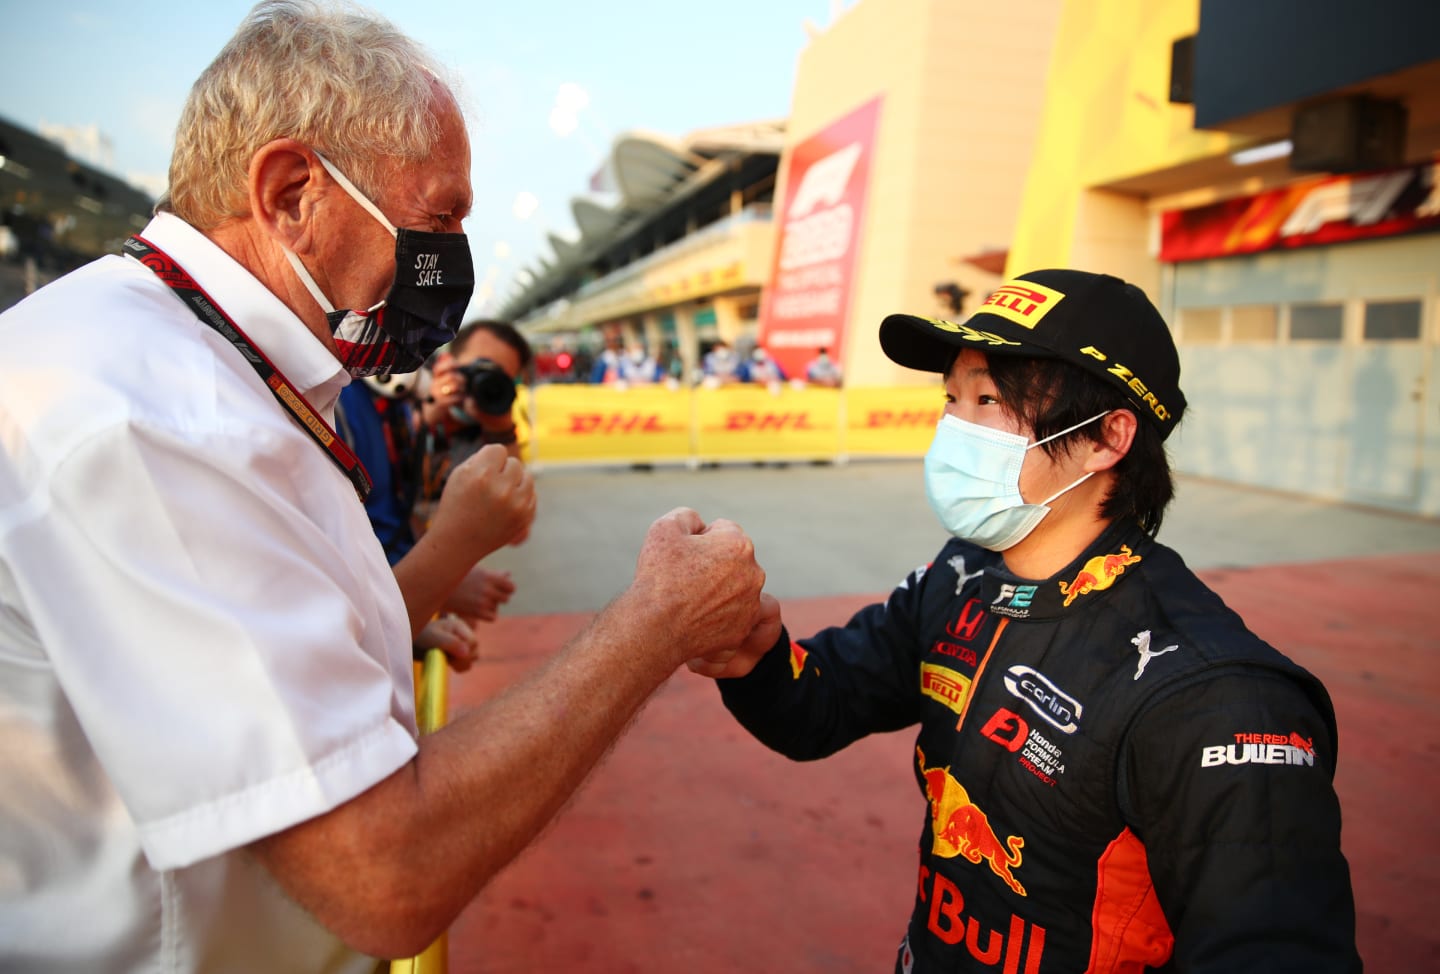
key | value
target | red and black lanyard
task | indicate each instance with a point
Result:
(194, 296)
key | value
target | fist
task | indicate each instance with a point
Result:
(700, 583)
(488, 502)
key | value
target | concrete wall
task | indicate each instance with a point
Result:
(1351, 420)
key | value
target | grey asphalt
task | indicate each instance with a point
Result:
(860, 527)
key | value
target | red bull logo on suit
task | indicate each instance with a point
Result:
(960, 828)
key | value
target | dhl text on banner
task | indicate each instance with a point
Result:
(603, 424)
(891, 422)
(760, 423)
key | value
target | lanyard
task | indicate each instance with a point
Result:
(287, 395)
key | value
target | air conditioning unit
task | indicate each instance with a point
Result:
(1350, 133)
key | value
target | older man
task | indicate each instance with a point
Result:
(210, 759)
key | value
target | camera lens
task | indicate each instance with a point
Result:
(487, 385)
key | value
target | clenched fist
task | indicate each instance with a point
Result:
(698, 585)
(488, 502)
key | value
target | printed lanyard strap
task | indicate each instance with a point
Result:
(165, 268)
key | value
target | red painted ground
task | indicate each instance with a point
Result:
(695, 849)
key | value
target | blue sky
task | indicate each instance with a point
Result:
(634, 64)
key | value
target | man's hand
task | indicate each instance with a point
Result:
(740, 660)
(697, 587)
(480, 594)
(455, 637)
(488, 502)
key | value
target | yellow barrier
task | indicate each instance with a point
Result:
(602, 424)
(892, 422)
(431, 708)
(759, 423)
(580, 424)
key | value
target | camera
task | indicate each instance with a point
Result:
(487, 385)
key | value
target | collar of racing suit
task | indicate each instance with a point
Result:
(1114, 556)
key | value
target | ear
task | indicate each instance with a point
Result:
(1117, 432)
(284, 188)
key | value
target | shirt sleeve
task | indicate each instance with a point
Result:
(810, 698)
(1229, 783)
(217, 640)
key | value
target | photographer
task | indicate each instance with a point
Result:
(472, 391)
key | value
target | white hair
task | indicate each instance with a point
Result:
(332, 75)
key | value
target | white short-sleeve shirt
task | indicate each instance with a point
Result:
(201, 642)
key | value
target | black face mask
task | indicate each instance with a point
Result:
(434, 279)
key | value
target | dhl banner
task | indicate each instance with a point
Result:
(758, 423)
(605, 424)
(587, 424)
(891, 422)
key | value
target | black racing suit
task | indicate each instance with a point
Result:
(1119, 774)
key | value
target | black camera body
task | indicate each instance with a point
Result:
(487, 385)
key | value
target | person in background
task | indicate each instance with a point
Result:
(669, 366)
(471, 402)
(761, 368)
(1116, 773)
(821, 371)
(378, 419)
(211, 760)
(605, 369)
(472, 398)
(720, 366)
(637, 367)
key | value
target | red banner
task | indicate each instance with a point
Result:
(807, 300)
(1331, 209)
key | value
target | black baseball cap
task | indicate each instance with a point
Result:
(1095, 321)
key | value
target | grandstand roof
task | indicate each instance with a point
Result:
(644, 174)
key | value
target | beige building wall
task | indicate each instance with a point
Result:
(1109, 122)
(963, 83)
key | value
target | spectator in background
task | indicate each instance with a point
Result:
(637, 367)
(605, 370)
(462, 413)
(669, 366)
(377, 417)
(761, 368)
(211, 760)
(821, 371)
(581, 364)
(469, 404)
(950, 297)
(720, 366)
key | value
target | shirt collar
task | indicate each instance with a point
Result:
(276, 330)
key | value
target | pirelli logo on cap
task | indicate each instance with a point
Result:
(1023, 302)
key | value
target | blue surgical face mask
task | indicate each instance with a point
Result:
(434, 278)
(972, 480)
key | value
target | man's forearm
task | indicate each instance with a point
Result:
(427, 574)
(389, 870)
